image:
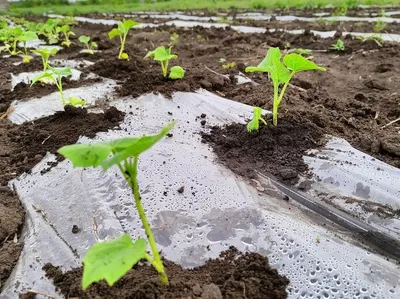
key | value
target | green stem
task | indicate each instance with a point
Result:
(164, 70)
(134, 185)
(121, 51)
(59, 85)
(284, 87)
(275, 105)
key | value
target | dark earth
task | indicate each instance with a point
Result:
(356, 98)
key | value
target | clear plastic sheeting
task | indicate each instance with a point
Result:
(357, 183)
(217, 209)
(25, 111)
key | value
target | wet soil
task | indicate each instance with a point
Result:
(356, 98)
(233, 275)
(277, 151)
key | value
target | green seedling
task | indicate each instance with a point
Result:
(67, 33)
(379, 26)
(45, 53)
(338, 46)
(228, 65)
(51, 30)
(254, 124)
(341, 10)
(281, 72)
(302, 52)
(84, 39)
(55, 75)
(24, 38)
(163, 55)
(10, 37)
(199, 37)
(111, 260)
(375, 37)
(122, 32)
(174, 38)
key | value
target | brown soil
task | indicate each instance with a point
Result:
(272, 150)
(233, 275)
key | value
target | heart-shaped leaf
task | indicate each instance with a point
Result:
(298, 63)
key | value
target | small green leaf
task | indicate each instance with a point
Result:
(74, 101)
(86, 155)
(161, 54)
(28, 36)
(94, 45)
(298, 63)
(131, 147)
(62, 72)
(254, 124)
(279, 73)
(41, 76)
(267, 63)
(177, 72)
(112, 260)
(84, 39)
(113, 33)
(125, 56)
(128, 24)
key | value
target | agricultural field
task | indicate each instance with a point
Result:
(217, 149)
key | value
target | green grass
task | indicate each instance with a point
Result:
(72, 9)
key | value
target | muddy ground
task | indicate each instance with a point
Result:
(356, 98)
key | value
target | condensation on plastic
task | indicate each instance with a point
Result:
(35, 108)
(239, 28)
(216, 210)
(357, 183)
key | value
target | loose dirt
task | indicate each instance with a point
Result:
(233, 275)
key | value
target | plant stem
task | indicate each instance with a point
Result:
(121, 51)
(157, 262)
(284, 87)
(275, 105)
(59, 85)
(164, 69)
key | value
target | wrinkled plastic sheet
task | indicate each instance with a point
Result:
(217, 209)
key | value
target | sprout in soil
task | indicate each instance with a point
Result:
(122, 32)
(163, 55)
(113, 259)
(379, 26)
(50, 29)
(339, 46)
(282, 73)
(45, 53)
(254, 124)
(55, 75)
(66, 31)
(84, 39)
(10, 37)
(174, 38)
(24, 38)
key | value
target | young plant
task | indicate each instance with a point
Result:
(10, 37)
(174, 38)
(84, 39)
(45, 53)
(51, 30)
(122, 32)
(281, 72)
(163, 55)
(67, 33)
(55, 75)
(111, 260)
(24, 38)
(379, 26)
(254, 124)
(338, 46)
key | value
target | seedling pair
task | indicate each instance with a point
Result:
(164, 55)
(280, 72)
(113, 259)
(55, 75)
(122, 31)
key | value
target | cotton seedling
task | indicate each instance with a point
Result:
(254, 124)
(174, 38)
(67, 33)
(111, 260)
(338, 46)
(281, 72)
(10, 37)
(84, 39)
(122, 31)
(164, 55)
(51, 30)
(45, 53)
(24, 38)
(55, 75)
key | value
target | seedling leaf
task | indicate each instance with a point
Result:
(177, 72)
(86, 155)
(28, 36)
(298, 63)
(84, 39)
(74, 101)
(125, 56)
(62, 72)
(254, 124)
(161, 54)
(113, 33)
(41, 76)
(128, 24)
(94, 45)
(112, 260)
(267, 63)
(131, 147)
